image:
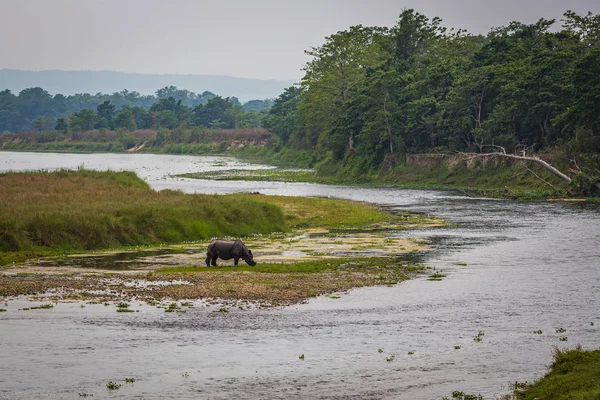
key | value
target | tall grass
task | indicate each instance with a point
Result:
(80, 210)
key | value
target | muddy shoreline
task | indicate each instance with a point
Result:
(344, 260)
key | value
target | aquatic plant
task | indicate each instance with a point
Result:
(129, 380)
(185, 374)
(563, 339)
(479, 337)
(457, 347)
(464, 396)
(391, 357)
(410, 353)
(2, 310)
(42, 307)
(301, 357)
(561, 330)
(538, 332)
(113, 386)
(436, 277)
(380, 350)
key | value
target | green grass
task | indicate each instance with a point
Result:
(65, 212)
(480, 180)
(574, 375)
(48, 212)
(304, 267)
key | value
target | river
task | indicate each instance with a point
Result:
(512, 268)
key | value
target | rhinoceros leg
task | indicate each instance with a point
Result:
(236, 260)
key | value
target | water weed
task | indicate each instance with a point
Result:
(456, 395)
(436, 277)
(113, 386)
(42, 307)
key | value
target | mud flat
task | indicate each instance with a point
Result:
(292, 268)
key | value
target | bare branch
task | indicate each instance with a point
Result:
(541, 179)
(538, 160)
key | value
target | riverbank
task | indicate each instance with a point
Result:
(498, 178)
(574, 374)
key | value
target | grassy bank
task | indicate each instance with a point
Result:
(512, 182)
(492, 179)
(67, 211)
(83, 210)
(574, 375)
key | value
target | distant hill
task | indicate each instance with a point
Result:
(71, 82)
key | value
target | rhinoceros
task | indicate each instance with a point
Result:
(228, 249)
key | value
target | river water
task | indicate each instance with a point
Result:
(512, 268)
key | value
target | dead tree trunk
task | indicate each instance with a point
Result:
(537, 160)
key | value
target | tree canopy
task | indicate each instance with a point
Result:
(369, 93)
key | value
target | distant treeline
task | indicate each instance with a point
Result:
(371, 94)
(36, 109)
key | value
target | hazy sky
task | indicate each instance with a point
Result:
(262, 39)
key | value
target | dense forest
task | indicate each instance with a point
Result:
(36, 109)
(371, 94)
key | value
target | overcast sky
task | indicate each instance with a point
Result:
(262, 39)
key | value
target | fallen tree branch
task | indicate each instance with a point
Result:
(541, 179)
(538, 160)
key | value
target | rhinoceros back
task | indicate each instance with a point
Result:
(226, 249)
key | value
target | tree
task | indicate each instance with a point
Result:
(281, 118)
(61, 125)
(125, 119)
(83, 120)
(35, 102)
(106, 113)
(331, 77)
(215, 109)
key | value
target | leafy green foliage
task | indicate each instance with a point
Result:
(370, 93)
